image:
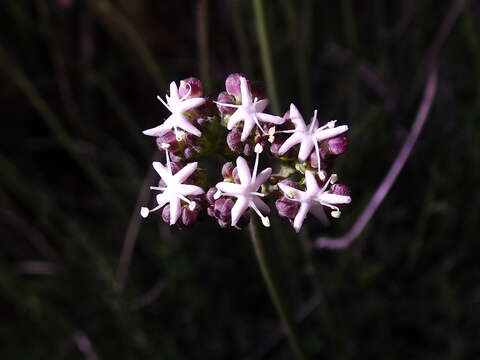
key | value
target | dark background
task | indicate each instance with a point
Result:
(78, 83)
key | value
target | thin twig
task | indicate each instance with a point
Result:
(397, 165)
(266, 53)
(132, 231)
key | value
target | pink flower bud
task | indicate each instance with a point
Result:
(232, 85)
(166, 213)
(337, 145)
(225, 98)
(189, 217)
(227, 170)
(210, 193)
(192, 87)
(287, 208)
(340, 189)
(223, 208)
(233, 139)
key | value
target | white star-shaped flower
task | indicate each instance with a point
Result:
(314, 198)
(247, 191)
(177, 106)
(310, 137)
(174, 190)
(250, 112)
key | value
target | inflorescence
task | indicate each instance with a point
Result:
(236, 123)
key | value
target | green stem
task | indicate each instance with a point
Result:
(266, 54)
(273, 288)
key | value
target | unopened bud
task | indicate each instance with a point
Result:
(226, 98)
(190, 88)
(233, 139)
(337, 145)
(232, 85)
(189, 217)
(287, 208)
(223, 208)
(227, 170)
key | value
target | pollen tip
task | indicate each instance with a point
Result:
(165, 146)
(266, 221)
(217, 195)
(258, 148)
(144, 212)
(336, 214)
(322, 175)
(192, 206)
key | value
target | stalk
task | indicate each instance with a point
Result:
(273, 289)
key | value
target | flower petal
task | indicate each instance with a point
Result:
(334, 199)
(189, 104)
(311, 181)
(262, 178)
(228, 187)
(174, 91)
(270, 118)
(185, 172)
(297, 118)
(162, 171)
(183, 123)
(175, 209)
(301, 215)
(248, 125)
(305, 148)
(158, 130)
(187, 189)
(293, 140)
(162, 199)
(325, 134)
(292, 193)
(235, 118)
(243, 171)
(238, 209)
(260, 105)
(246, 95)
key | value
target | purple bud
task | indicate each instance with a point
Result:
(233, 139)
(223, 208)
(189, 152)
(227, 170)
(192, 85)
(210, 194)
(248, 148)
(189, 217)
(226, 98)
(337, 145)
(166, 213)
(287, 208)
(235, 176)
(232, 84)
(340, 189)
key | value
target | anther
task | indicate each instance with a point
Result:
(144, 212)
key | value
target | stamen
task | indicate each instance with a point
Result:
(336, 214)
(265, 219)
(169, 166)
(227, 105)
(144, 212)
(257, 193)
(192, 206)
(163, 102)
(258, 151)
(180, 135)
(331, 180)
(322, 175)
(258, 124)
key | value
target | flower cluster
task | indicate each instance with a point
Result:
(195, 128)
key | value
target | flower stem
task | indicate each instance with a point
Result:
(266, 54)
(273, 288)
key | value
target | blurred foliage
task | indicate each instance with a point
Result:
(79, 80)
